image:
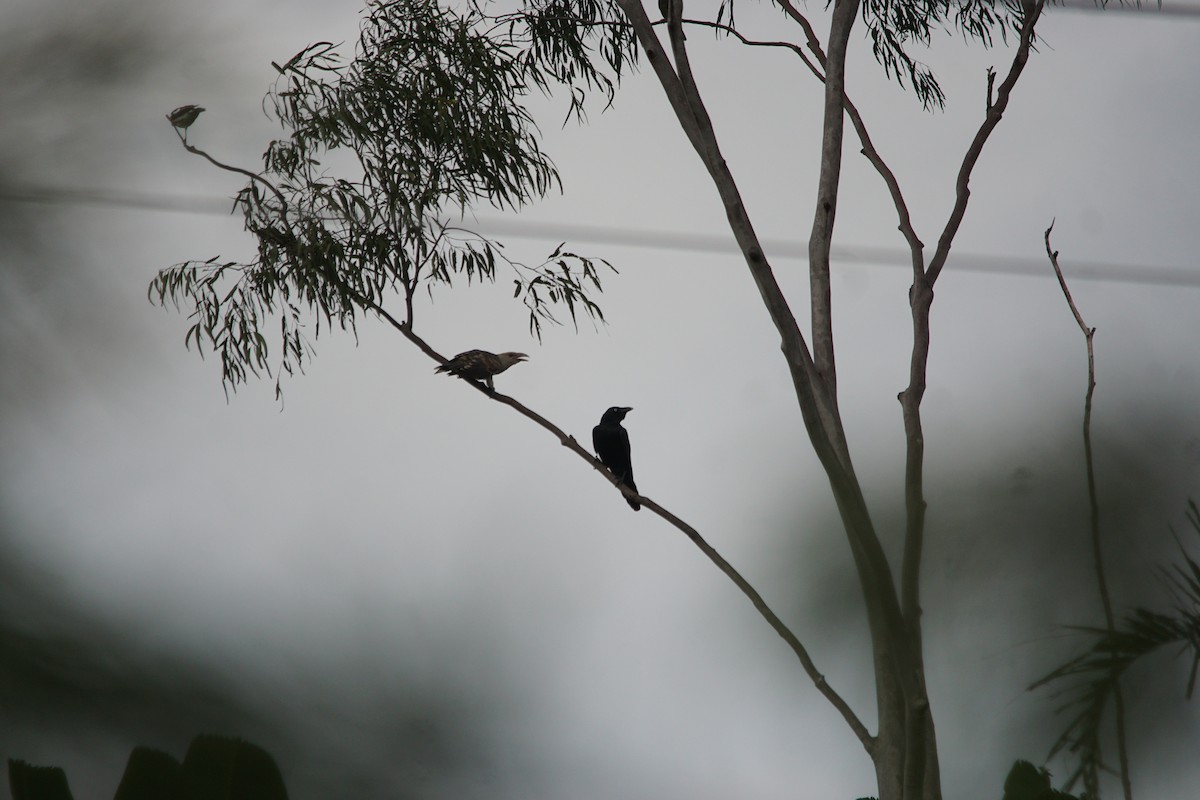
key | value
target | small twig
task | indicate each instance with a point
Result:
(254, 176)
(735, 33)
(1094, 504)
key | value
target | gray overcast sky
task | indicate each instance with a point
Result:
(402, 590)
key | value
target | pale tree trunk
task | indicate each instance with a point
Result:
(906, 755)
(899, 687)
(904, 750)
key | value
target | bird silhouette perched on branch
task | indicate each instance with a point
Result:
(480, 365)
(611, 441)
(183, 117)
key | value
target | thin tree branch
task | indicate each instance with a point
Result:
(1094, 507)
(814, 44)
(995, 110)
(251, 175)
(810, 668)
(735, 33)
(905, 227)
(715, 557)
(920, 302)
(915, 245)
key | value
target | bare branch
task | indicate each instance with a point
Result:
(995, 111)
(860, 127)
(785, 633)
(1094, 506)
(228, 168)
(915, 245)
(735, 33)
(814, 44)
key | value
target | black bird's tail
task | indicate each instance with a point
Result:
(627, 480)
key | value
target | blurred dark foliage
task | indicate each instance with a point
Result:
(27, 782)
(215, 768)
(79, 683)
(149, 774)
(64, 669)
(1027, 782)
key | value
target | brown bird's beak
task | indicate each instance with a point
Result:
(521, 356)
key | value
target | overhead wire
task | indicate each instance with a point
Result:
(1163, 8)
(675, 241)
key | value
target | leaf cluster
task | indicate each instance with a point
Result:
(566, 41)
(895, 25)
(1090, 678)
(562, 280)
(351, 206)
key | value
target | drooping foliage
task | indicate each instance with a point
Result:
(581, 44)
(354, 207)
(356, 204)
(894, 26)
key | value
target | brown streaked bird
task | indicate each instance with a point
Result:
(184, 116)
(480, 365)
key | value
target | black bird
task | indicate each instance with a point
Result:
(480, 365)
(611, 441)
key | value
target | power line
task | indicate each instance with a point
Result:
(852, 254)
(1164, 8)
(675, 241)
(186, 204)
